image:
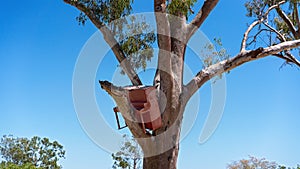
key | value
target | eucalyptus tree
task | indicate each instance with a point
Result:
(36, 152)
(276, 22)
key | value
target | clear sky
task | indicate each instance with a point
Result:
(39, 45)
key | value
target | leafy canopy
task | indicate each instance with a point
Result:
(256, 163)
(134, 36)
(35, 152)
(5, 165)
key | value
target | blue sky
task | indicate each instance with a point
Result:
(39, 46)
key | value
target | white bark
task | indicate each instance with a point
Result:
(246, 56)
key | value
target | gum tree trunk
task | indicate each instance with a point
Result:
(166, 160)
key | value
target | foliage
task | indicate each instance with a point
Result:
(256, 163)
(133, 33)
(283, 167)
(5, 165)
(214, 52)
(136, 41)
(105, 10)
(252, 163)
(179, 7)
(37, 152)
(129, 155)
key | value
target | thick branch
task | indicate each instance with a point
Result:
(296, 12)
(163, 25)
(163, 75)
(203, 13)
(164, 42)
(124, 63)
(229, 64)
(110, 40)
(120, 96)
(289, 23)
(264, 17)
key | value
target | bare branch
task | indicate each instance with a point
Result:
(256, 35)
(120, 96)
(288, 57)
(110, 40)
(280, 36)
(292, 58)
(289, 23)
(264, 17)
(243, 57)
(203, 13)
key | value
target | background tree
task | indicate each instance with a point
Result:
(256, 163)
(129, 156)
(5, 165)
(283, 167)
(31, 153)
(175, 26)
(253, 163)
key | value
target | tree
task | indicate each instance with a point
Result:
(283, 167)
(30, 153)
(5, 165)
(129, 155)
(252, 163)
(256, 163)
(174, 32)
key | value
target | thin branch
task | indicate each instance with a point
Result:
(110, 40)
(289, 56)
(264, 17)
(287, 59)
(287, 20)
(255, 36)
(246, 34)
(203, 13)
(292, 58)
(243, 57)
(280, 36)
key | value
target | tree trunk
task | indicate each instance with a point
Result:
(166, 160)
(161, 150)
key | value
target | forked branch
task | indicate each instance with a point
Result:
(254, 24)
